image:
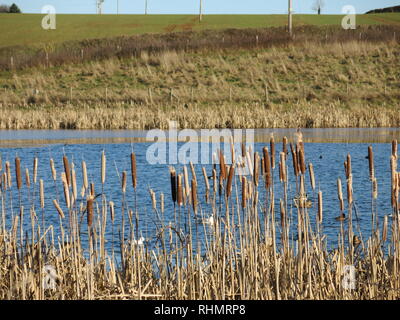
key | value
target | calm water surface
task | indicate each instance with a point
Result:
(325, 148)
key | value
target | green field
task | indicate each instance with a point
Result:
(25, 29)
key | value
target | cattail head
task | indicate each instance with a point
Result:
(153, 199)
(350, 190)
(53, 169)
(207, 184)
(194, 195)
(249, 163)
(284, 145)
(85, 176)
(58, 208)
(92, 191)
(123, 182)
(35, 169)
(267, 168)
(282, 167)
(103, 167)
(41, 186)
(256, 168)
(320, 206)
(312, 176)
(283, 214)
(222, 165)
(8, 171)
(340, 194)
(66, 170)
(348, 166)
(394, 148)
(112, 211)
(66, 191)
(232, 150)
(302, 161)
(371, 163)
(272, 147)
(244, 192)
(179, 190)
(186, 181)
(18, 173)
(172, 173)
(230, 180)
(89, 210)
(162, 202)
(374, 189)
(384, 229)
(133, 170)
(295, 161)
(27, 178)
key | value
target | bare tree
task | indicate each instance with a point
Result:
(318, 5)
(4, 8)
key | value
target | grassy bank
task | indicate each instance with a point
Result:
(259, 243)
(25, 29)
(351, 83)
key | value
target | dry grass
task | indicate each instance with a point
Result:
(251, 251)
(349, 84)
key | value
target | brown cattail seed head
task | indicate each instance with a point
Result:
(244, 192)
(41, 186)
(18, 173)
(320, 207)
(123, 182)
(267, 168)
(283, 214)
(282, 167)
(133, 170)
(371, 163)
(66, 170)
(89, 209)
(394, 148)
(272, 147)
(230, 179)
(222, 165)
(172, 173)
(194, 195)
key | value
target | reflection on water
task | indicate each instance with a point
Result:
(21, 138)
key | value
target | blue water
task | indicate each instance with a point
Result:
(327, 159)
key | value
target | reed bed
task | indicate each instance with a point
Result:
(258, 244)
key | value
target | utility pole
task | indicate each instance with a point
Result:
(290, 22)
(145, 9)
(201, 11)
